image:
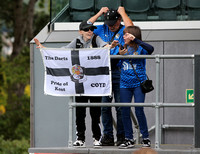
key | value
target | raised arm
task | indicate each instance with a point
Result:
(149, 48)
(96, 16)
(127, 21)
(39, 45)
(146, 46)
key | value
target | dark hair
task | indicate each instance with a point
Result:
(136, 31)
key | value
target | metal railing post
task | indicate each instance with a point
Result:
(157, 108)
(70, 122)
(157, 60)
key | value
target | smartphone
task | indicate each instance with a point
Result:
(121, 46)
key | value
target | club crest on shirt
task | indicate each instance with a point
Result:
(117, 35)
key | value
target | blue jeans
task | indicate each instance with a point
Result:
(126, 95)
(106, 112)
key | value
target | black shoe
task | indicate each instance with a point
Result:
(120, 139)
(107, 140)
(146, 142)
(127, 144)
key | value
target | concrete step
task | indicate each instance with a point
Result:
(164, 149)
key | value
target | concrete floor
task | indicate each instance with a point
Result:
(164, 149)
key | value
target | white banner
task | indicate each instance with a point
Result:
(77, 72)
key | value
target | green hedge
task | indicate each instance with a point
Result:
(14, 146)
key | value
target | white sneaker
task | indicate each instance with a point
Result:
(96, 144)
(79, 143)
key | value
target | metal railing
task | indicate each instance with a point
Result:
(157, 104)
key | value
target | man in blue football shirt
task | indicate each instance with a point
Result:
(112, 29)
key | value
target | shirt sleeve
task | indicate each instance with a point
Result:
(149, 48)
(98, 30)
(100, 42)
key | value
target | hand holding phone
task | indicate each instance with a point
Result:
(121, 46)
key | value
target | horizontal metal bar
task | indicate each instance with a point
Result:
(176, 56)
(152, 56)
(177, 126)
(176, 105)
(132, 104)
(111, 104)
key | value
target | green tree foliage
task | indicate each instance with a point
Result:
(18, 16)
(40, 20)
(15, 76)
(15, 123)
(6, 14)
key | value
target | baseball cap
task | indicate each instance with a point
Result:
(111, 17)
(86, 24)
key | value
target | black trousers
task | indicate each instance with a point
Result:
(95, 113)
